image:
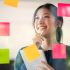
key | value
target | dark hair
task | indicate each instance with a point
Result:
(53, 10)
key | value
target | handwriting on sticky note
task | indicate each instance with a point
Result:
(58, 51)
(31, 52)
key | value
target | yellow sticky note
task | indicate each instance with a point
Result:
(13, 3)
(31, 52)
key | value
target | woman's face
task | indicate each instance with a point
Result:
(44, 22)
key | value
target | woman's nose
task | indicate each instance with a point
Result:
(40, 21)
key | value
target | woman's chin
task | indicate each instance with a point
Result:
(43, 34)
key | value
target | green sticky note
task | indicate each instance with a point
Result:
(4, 56)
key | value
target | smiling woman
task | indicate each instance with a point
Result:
(48, 30)
(46, 22)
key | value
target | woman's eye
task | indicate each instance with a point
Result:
(46, 16)
(36, 17)
(41, 17)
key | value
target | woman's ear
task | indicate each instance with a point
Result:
(58, 24)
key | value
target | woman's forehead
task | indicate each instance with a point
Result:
(43, 11)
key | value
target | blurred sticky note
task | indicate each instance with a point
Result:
(58, 51)
(12, 3)
(63, 9)
(4, 56)
(4, 28)
(31, 52)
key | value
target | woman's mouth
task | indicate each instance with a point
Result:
(43, 27)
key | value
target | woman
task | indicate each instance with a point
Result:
(48, 30)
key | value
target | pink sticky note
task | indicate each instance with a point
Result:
(4, 29)
(58, 51)
(63, 9)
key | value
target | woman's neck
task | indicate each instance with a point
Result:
(51, 40)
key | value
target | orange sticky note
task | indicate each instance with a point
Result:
(13, 3)
(31, 53)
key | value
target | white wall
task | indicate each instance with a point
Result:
(21, 30)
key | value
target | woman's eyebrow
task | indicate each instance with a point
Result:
(46, 13)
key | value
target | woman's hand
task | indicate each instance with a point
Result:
(44, 66)
(37, 40)
(40, 41)
(44, 44)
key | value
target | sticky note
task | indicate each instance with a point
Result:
(58, 51)
(63, 9)
(4, 56)
(31, 53)
(13, 3)
(4, 28)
